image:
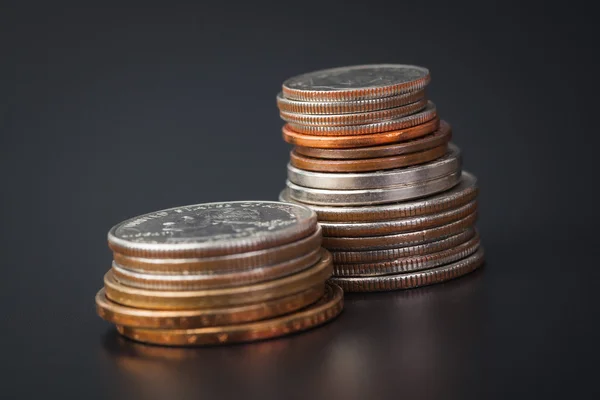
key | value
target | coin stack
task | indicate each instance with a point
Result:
(218, 273)
(375, 162)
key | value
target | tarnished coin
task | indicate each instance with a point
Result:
(461, 194)
(186, 319)
(354, 118)
(214, 280)
(356, 82)
(393, 226)
(413, 279)
(369, 164)
(346, 107)
(218, 298)
(324, 310)
(212, 229)
(374, 256)
(429, 113)
(440, 137)
(399, 239)
(408, 264)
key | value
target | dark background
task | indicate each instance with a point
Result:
(110, 112)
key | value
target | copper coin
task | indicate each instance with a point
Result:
(368, 164)
(324, 310)
(186, 319)
(347, 142)
(441, 136)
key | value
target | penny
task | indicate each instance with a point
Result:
(324, 310)
(369, 164)
(399, 239)
(376, 228)
(347, 107)
(214, 280)
(373, 256)
(345, 142)
(186, 319)
(234, 262)
(409, 264)
(464, 192)
(440, 137)
(332, 181)
(354, 118)
(429, 113)
(356, 82)
(413, 279)
(217, 298)
(212, 229)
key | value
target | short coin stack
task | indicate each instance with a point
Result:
(375, 162)
(218, 273)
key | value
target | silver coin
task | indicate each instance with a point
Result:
(461, 194)
(212, 229)
(448, 164)
(356, 82)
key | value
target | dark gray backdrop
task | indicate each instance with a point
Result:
(109, 112)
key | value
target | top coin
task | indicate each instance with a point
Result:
(212, 229)
(356, 83)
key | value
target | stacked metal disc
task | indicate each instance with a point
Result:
(218, 273)
(375, 162)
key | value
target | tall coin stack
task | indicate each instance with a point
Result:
(218, 273)
(375, 162)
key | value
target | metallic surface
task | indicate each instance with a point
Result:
(327, 308)
(186, 319)
(413, 279)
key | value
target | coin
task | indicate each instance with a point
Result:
(354, 118)
(399, 239)
(440, 137)
(346, 107)
(409, 264)
(413, 279)
(429, 113)
(464, 192)
(392, 226)
(214, 280)
(344, 142)
(369, 164)
(324, 310)
(373, 256)
(186, 319)
(356, 82)
(331, 181)
(217, 298)
(212, 229)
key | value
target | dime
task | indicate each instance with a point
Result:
(356, 82)
(414, 279)
(461, 194)
(186, 319)
(399, 239)
(212, 229)
(346, 107)
(408, 264)
(327, 308)
(234, 262)
(376, 228)
(373, 256)
(369, 164)
(440, 137)
(217, 298)
(354, 118)
(344, 142)
(214, 280)
(427, 114)
(330, 181)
